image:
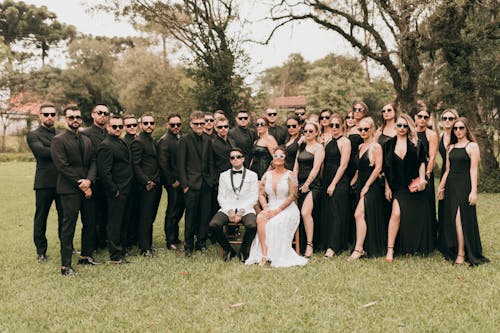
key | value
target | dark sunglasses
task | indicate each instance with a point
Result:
(291, 126)
(146, 123)
(458, 128)
(175, 125)
(334, 125)
(74, 117)
(357, 109)
(243, 118)
(100, 113)
(211, 120)
(235, 157)
(422, 116)
(198, 124)
(131, 125)
(363, 129)
(387, 110)
(300, 113)
(403, 126)
(260, 124)
(309, 131)
(349, 117)
(222, 126)
(324, 117)
(47, 114)
(272, 114)
(448, 118)
(117, 126)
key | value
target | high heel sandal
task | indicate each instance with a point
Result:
(263, 261)
(309, 244)
(461, 263)
(353, 257)
(392, 258)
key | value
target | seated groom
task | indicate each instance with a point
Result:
(238, 194)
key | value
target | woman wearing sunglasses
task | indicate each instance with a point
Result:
(460, 232)
(262, 147)
(307, 166)
(371, 227)
(292, 143)
(404, 169)
(324, 122)
(388, 129)
(335, 205)
(279, 218)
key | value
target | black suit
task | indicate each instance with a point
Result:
(243, 138)
(167, 152)
(146, 170)
(74, 159)
(195, 166)
(131, 222)
(221, 150)
(280, 134)
(96, 135)
(114, 167)
(39, 142)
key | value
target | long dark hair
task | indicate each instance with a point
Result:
(470, 136)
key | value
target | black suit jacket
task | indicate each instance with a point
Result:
(71, 163)
(221, 150)
(144, 160)
(114, 165)
(243, 138)
(95, 134)
(280, 133)
(128, 138)
(195, 166)
(39, 142)
(166, 149)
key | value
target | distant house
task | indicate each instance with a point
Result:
(18, 115)
(289, 103)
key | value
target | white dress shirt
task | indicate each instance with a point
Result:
(245, 199)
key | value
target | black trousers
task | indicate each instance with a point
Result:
(198, 205)
(130, 229)
(173, 214)
(43, 201)
(116, 217)
(148, 207)
(101, 214)
(249, 221)
(71, 205)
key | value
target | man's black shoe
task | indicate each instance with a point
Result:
(68, 271)
(119, 261)
(172, 247)
(87, 261)
(42, 258)
(188, 253)
(229, 255)
(242, 256)
(147, 253)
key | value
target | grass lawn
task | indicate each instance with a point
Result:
(169, 293)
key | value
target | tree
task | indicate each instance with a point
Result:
(285, 80)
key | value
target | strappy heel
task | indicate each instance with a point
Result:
(310, 245)
(263, 261)
(356, 254)
(391, 259)
(461, 263)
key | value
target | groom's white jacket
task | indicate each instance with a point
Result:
(247, 197)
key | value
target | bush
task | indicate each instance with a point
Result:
(489, 181)
(17, 157)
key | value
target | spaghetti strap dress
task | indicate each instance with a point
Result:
(291, 153)
(261, 159)
(430, 191)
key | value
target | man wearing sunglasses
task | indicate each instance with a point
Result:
(74, 159)
(279, 132)
(39, 142)
(243, 136)
(131, 125)
(114, 168)
(195, 166)
(208, 129)
(96, 133)
(167, 153)
(147, 176)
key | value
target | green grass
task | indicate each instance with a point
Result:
(169, 293)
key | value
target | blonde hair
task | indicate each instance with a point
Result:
(371, 146)
(315, 124)
(412, 132)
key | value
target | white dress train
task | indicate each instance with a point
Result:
(280, 229)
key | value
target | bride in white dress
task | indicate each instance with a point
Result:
(280, 217)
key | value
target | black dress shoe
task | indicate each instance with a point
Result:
(42, 258)
(242, 257)
(88, 261)
(68, 271)
(229, 255)
(188, 253)
(119, 261)
(147, 253)
(172, 247)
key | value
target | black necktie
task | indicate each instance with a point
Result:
(236, 171)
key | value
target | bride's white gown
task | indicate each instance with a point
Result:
(280, 229)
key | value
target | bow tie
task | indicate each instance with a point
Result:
(236, 171)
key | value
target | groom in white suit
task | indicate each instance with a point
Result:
(238, 194)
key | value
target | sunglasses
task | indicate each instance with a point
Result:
(387, 110)
(47, 114)
(174, 125)
(222, 126)
(448, 118)
(363, 129)
(272, 114)
(235, 157)
(211, 120)
(458, 128)
(198, 124)
(100, 113)
(291, 126)
(74, 117)
(324, 117)
(422, 116)
(300, 113)
(334, 125)
(131, 125)
(117, 126)
(260, 124)
(403, 126)
(243, 118)
(349, 117)
(146, 123)
(357, 109)
(280, 156)
(309, 131)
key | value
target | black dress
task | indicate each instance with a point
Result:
(442, 152)
(335, 211)
(376, 226)
(382, 139)
(291, 153)
(430, 191)
(415, 230)
(261, 159)
(457, 189)
(352, 166)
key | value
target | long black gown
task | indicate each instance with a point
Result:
(261, 159)
(291, 153)
(376, 226)
(442, 152)
(335, 211)
(382, 139)
(352, 166)
(430, 191)
(457, 189)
